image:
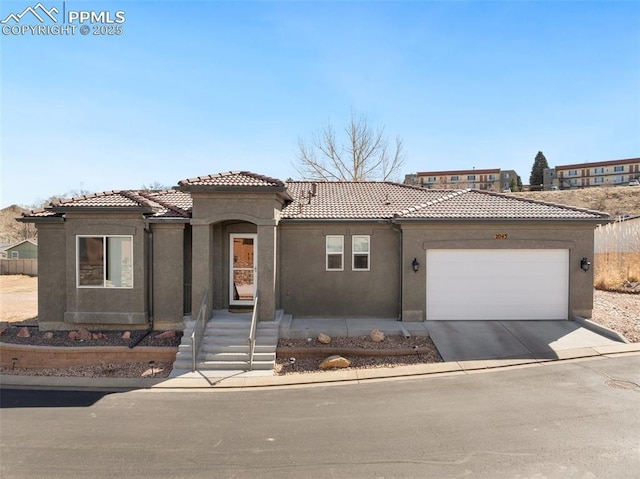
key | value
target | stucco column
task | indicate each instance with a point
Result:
(53, 275)
(267, 235)
(414, 286)
(201, 267)
(168, 275)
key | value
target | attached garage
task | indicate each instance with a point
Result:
(497, 284)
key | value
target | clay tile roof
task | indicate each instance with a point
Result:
(39, 213)
(100, 200)
(171, 203)
(233, 178)
(374, 200)
(475, 204)
(354, 200)
(160, 204)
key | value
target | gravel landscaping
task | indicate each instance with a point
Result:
(620, 312)
(303, 356)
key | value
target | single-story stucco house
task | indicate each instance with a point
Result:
(140, 259)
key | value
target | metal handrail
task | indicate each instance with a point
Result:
(252, 332)
(198, 330)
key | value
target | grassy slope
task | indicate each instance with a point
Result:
(621, 200)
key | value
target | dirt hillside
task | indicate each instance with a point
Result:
(12, 231)
(621, 200)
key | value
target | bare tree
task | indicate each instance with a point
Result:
(361, 154)
(154, 186)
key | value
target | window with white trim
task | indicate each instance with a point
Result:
(573, 172)
(104, 261)
(335, 252)
(618, 169)
(360, 250)
(454, 178)
(15, 254)
(598, 171)
(598, 180)
(471, 177)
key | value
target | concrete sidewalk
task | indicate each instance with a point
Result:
(249, 381)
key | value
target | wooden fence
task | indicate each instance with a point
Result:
(19, 266)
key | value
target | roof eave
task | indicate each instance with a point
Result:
(230, 188)
(101, 209)
(168, 220)
(41, 219)
(400, 219)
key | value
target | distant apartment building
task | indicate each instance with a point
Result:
(491, 180)
(601, 173)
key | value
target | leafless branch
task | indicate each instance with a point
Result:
(362, 155)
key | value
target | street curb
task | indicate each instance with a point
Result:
(602, 330)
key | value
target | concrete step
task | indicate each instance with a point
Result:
(244, 357)
(235, 348)
(261, 336)
(233, 365)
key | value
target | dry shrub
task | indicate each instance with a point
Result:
(617, 259)
(613, 270)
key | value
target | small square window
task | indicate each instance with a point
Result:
(361, 246)
(335, 252)
(454, 178)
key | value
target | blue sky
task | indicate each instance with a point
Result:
(193, 88)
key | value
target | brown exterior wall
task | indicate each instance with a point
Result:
(307, 289)
(52, 277)
(115, 307)
(418, 238)
(216, 214)
(168, 275)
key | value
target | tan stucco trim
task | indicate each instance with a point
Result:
(234, 216)
(493, 244)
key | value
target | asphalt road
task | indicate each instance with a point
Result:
(567, 420)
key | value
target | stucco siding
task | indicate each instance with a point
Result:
(306, 288)
(168, 275)
(110, 307)
(418, 238)
(52, 277)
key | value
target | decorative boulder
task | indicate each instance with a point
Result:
(335, 362)
(84, 334)
(73, 335)
(376, 336)
(24, 332)
(126, 335)
(48, 335)
(324, 338)
(165, 335)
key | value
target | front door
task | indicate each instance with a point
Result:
(243, 267)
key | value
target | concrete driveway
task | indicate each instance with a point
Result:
(479, 340)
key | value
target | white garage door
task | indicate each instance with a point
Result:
(497, 284)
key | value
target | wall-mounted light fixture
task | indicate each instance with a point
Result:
(585, 264)
(415, 265)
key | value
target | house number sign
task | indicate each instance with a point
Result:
(501, 236)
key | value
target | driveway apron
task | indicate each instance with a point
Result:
(473, 340)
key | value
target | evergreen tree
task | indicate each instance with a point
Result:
(537, 171)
